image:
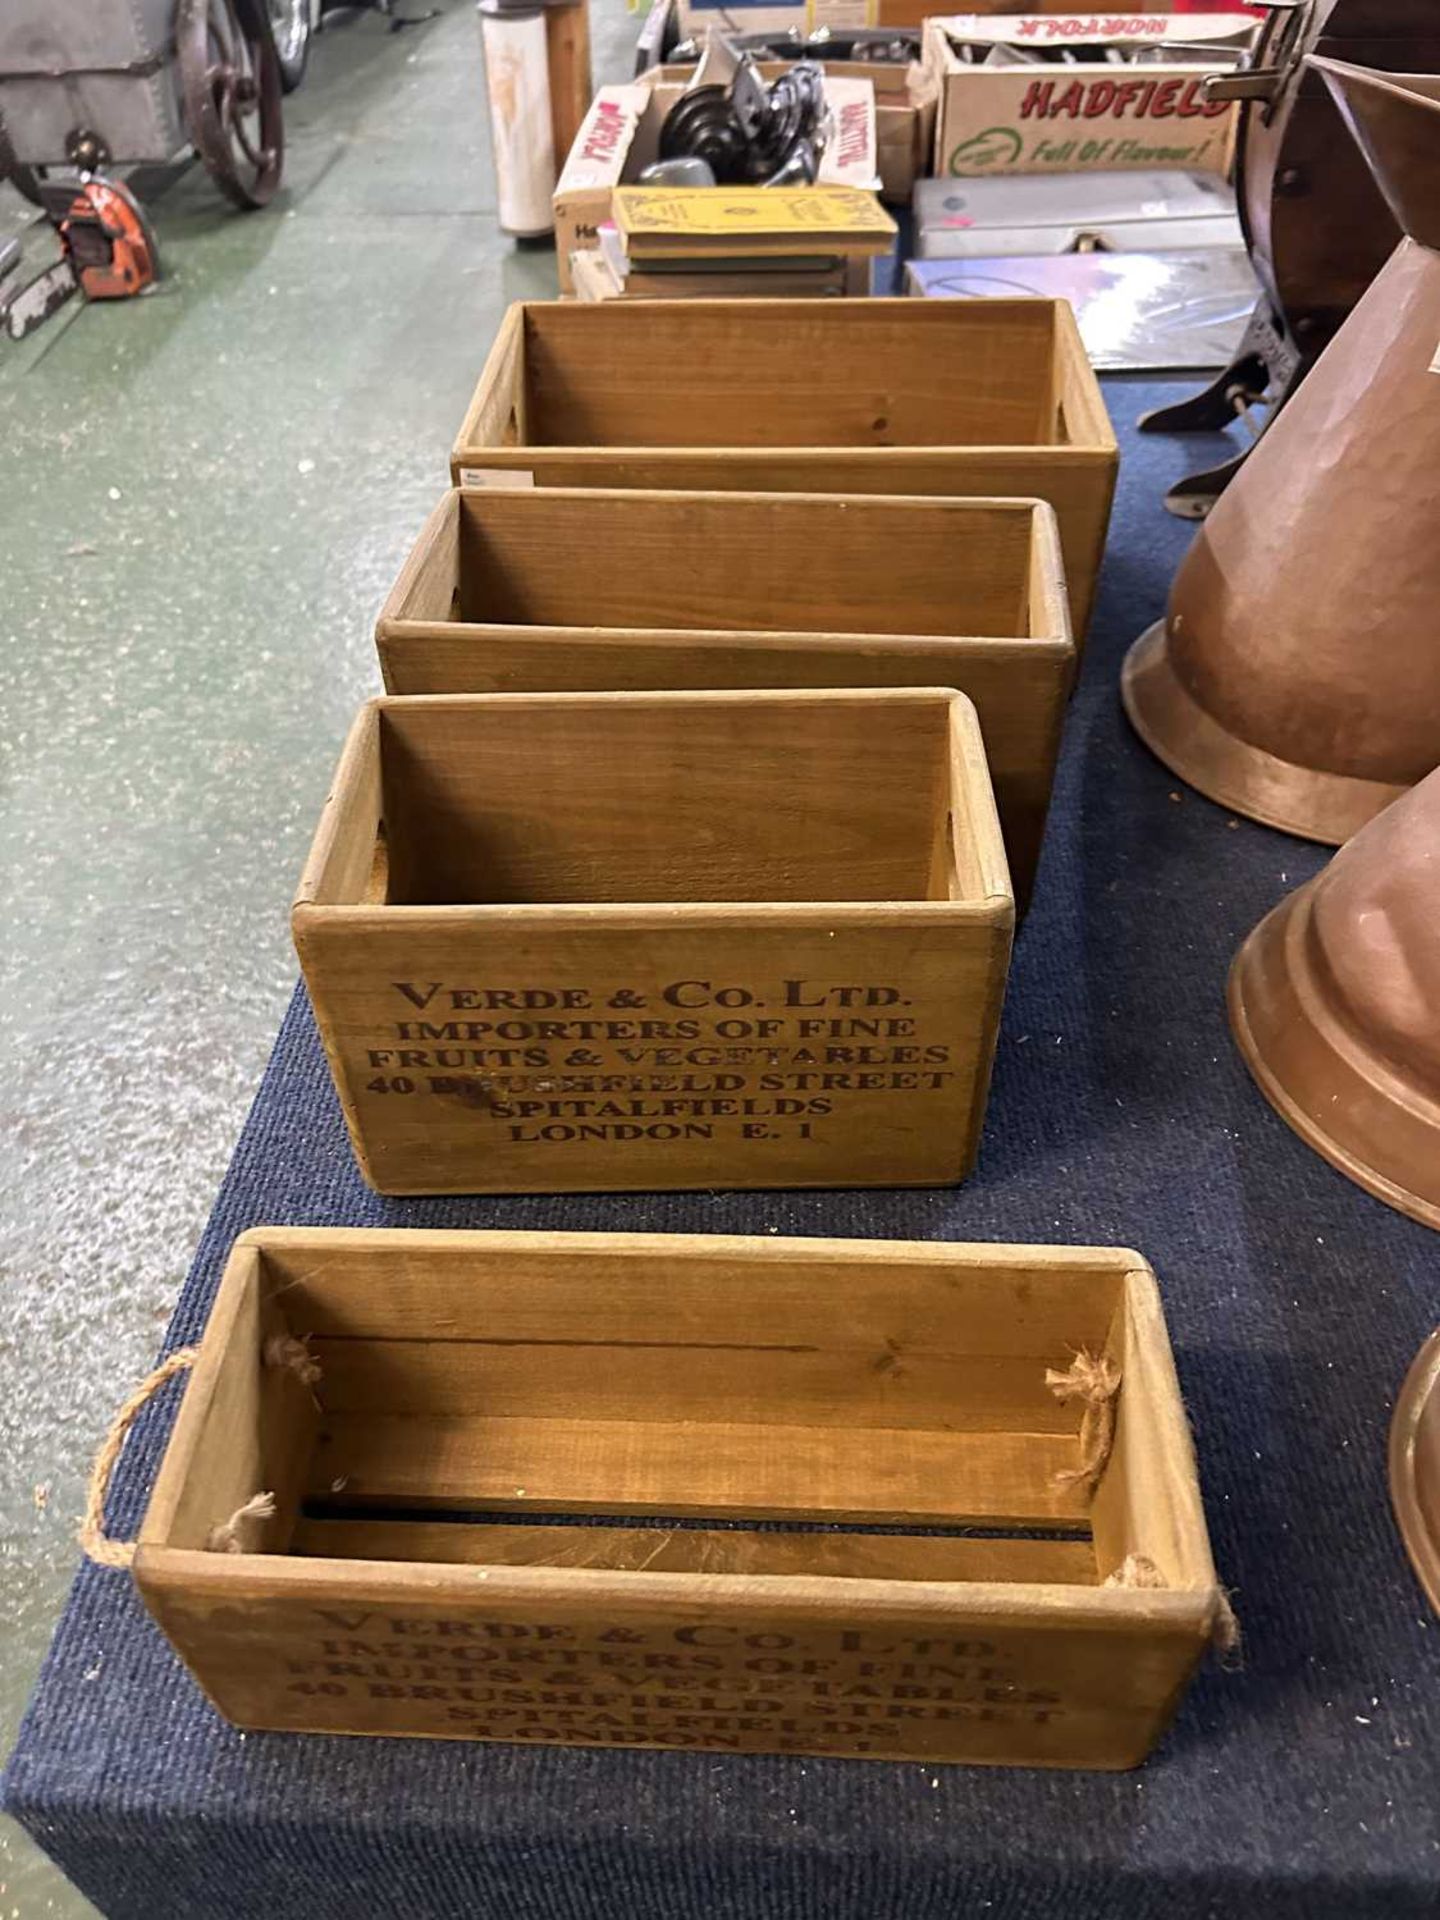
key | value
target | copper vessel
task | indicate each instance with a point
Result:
(1335, 1005)
(1415, 1466)
(1296, 676)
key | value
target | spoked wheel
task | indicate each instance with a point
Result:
(230, 82)
(290, 30)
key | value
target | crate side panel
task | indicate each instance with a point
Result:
(707, 1053)
(694, 1549)
(590, 1658)
(764, 799)
(890, 373)
(737, 561)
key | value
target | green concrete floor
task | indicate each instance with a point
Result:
(206, 493)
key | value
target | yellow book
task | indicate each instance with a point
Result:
(741, 220)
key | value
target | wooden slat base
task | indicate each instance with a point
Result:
(704, 1468)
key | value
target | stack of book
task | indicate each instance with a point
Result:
(676, 243)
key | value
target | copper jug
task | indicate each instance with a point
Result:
(1335, 1005)
(1296, 676)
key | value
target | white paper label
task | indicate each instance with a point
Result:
(508, 477)
(839, 13)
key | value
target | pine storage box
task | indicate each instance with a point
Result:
(560, 590)
(454, 1386)
(985, 397)
(607, 941)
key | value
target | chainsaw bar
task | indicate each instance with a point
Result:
(32, 305)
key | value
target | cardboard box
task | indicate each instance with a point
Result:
(905, 110)
(696, 17)
(905, 97)
(620, 136)
(887, 1400)
(1041, 116)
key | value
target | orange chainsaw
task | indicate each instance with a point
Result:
(107, 252)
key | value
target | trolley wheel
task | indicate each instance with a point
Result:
(230, 84)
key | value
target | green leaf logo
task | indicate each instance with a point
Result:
(983, 152)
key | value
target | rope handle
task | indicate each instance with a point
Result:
(228, 1536)
(95, 1543)
(1093, 1379)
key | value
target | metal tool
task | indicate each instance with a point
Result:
(686, 172)
(1316, 225)
(748, 133)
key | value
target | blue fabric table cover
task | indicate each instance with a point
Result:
(1306, 1784)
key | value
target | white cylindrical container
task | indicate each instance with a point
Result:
(517, 81)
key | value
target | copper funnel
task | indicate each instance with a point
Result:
(1335, 1005)
(1387, 114)
(1296, 676)
(1415, 1466)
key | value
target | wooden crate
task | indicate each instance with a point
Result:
(606, 941)
(680, 1389)
(568, 590)
(987, 397)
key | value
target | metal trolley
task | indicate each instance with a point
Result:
(89, 84)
